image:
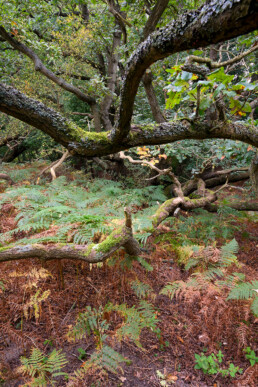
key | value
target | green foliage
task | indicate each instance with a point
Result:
(104, 358)
(246, 291)
(141, 289)
(183, 86)
(93, 320)
(211, 365)
(250, 355)
(90, 321)
(43, 369)
(2, 287)
(209, 265)
(203, 226)
(135, 320)
(76, 213)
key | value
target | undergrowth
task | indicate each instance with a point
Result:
(206, 296)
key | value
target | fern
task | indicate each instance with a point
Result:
(106, 358)
(43, 368)
(228, 252)
(34, 304)
(90, 321)
(209, 264)
(142, 290)
(135, 320)
(246, 291)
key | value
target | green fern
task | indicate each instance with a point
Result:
(90, 321)
(135, 320)
(105, 358)
(43, 368)
(246, 291)
(142, 290)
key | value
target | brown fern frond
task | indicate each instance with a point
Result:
(241, 333)
(14, 335)
(249, 378)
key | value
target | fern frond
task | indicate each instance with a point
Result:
(244, 291)
(142, 290)
(106, 358)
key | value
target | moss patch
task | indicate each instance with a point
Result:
(113, 239)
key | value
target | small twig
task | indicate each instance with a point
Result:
(222, 187)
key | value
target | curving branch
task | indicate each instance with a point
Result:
(79, 141)
(212, 23)
(122, 237)
(3, 176)
(215, 65)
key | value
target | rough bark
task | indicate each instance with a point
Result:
(240, 206)
(94, 253)
(77, 140)
(152, 99)
(3, 176)
(212, 23)
(254, 173)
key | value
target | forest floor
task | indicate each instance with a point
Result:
(197, 321)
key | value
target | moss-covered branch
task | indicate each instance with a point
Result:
(121, 237)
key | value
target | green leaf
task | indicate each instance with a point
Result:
(220, 76)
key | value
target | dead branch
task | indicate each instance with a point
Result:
(121, 237)
(240, 206)
(3, 176)
(215, 65)
(55, 164)
(177, 185)
(53, 168)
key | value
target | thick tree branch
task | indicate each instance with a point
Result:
(94, 253)
(3, 176)
(154, 17)
(212, 23)
(79, 141)
(240, 206)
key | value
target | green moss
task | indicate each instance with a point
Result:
(89, 249)
(148, 127)
(79, 134)
(74, 131)
(5, 248)
(114, 238)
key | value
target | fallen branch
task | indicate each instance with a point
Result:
(122, 237)
(169, 207)
(55, 164)
(3, 176)
(219, 178)
(240, 206)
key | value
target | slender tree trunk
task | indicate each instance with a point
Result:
(254, 173)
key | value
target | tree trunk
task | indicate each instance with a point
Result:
(254, 174)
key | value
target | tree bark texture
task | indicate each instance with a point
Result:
(94, 253)
(214, 22)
